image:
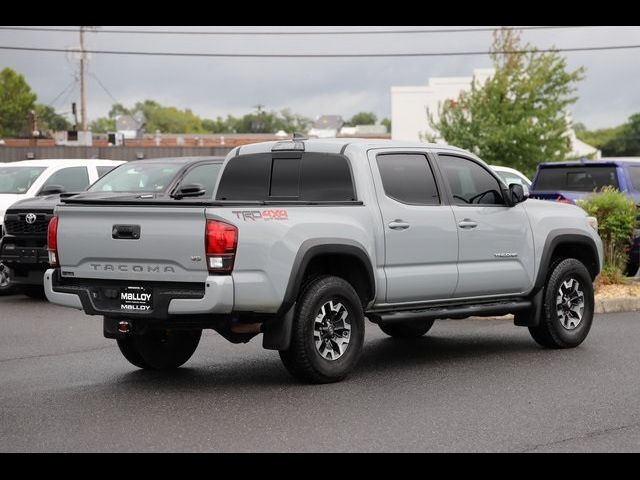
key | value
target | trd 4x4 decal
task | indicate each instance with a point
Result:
(267, 215)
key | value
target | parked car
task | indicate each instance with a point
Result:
(24, 248)
(306, 238)
(32, 178)
(568, 182)
(511, 175)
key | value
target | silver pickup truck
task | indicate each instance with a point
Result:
(304, 239)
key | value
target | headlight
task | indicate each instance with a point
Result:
(593, 221)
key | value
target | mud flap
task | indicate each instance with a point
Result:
(531, 317)
(277, 332)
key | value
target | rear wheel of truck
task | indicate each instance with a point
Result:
(160, 349)
(328, 332)
(407, 330)
(568, 306)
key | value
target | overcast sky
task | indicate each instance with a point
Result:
(219, 86)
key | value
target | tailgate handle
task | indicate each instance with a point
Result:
(125, 232)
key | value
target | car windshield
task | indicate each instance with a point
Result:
(510, 178)
(141, 177)
(576, 179)
(18, 180)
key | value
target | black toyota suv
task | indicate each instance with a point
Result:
(23, 248)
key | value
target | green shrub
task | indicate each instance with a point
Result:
(616, 214)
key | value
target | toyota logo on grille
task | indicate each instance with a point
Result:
(31, 218)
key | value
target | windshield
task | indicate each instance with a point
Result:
(18, 180)
(576, 179)
(131, 177)
(510, 178)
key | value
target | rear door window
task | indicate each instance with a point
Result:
(408, 178)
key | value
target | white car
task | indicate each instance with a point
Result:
(511, 175)
(30, 178)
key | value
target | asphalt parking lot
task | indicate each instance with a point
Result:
(471, 385)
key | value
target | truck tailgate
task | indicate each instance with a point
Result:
(140, 243)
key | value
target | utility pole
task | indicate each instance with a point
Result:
(83, 99)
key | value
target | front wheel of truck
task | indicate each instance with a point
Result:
(160, 349)
(568, 306)
(328, 332)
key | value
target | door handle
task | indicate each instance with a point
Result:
(467, 224)
(399, 225)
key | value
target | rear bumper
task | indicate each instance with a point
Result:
(215, 296)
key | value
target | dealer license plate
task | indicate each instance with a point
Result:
(136, 299)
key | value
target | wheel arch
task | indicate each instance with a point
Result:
(568, 244)
(344, 258)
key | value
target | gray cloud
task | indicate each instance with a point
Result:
(212, 87)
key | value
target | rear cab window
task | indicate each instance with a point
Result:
(287, 176)
(576, 179)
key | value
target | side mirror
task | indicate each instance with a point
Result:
(51, 190)
(519, 193)
(190, 190)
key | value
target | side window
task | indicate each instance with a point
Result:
(408, 178)
(470, 183)
(73, 179)
(102, 171)
(205, 175)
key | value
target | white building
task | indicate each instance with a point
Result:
(410, 107)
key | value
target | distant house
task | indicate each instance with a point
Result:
(410, 106)
(327, 126)
(131, 127)
(365, 131)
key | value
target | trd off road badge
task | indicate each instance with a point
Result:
(256, 215)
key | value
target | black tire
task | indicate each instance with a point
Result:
(407, 330)
(34, 291)
(551, 333)
(304, 359)
(160, 349)
(6, 288)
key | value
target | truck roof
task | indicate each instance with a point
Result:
(336, 145)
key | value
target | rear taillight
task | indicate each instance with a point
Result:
(221, 241)
(52, 242)
(562, 199)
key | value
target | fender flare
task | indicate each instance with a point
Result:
(277, 332)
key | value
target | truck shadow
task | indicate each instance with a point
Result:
(380, 357)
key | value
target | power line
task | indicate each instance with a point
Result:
(323, 55)
(307, 33)
(103, 87)
(53, 102)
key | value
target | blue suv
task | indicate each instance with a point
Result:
(568, 182)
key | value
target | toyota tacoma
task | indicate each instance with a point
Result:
(305, 239)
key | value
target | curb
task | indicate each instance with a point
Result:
(615, 305)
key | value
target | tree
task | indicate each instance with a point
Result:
(362, 118)
(16, 101)
(387, 123)
(103, 125)
(49, 120)
(518, 116)
(620, 141)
